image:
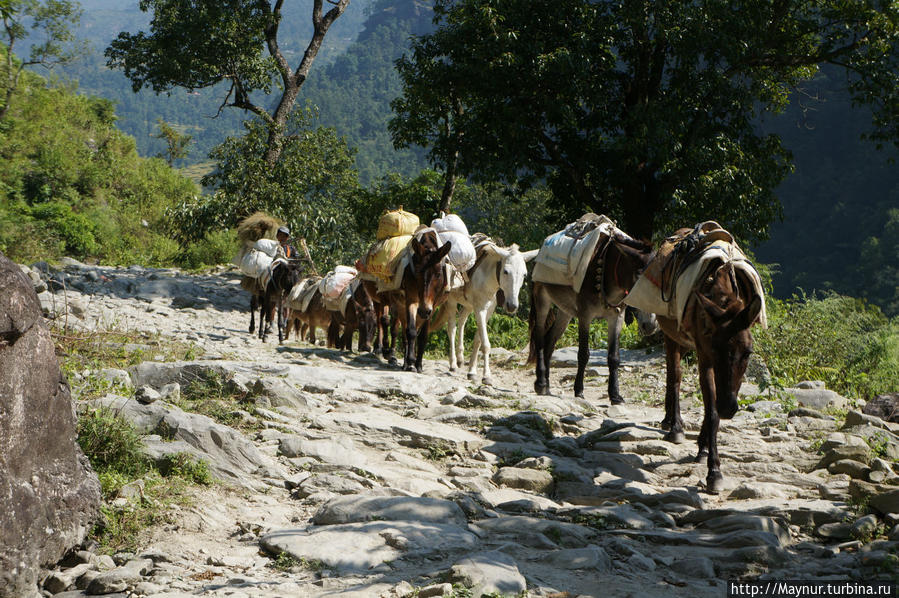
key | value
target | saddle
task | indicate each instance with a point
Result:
(680, 250)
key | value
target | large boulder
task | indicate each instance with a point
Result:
(49, 496)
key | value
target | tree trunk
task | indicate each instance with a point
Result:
(449, 184)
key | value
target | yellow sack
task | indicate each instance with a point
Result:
(397, 223)
(381, 259)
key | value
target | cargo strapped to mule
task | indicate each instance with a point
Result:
(687, 250)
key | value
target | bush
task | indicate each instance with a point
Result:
(844, 341)
(218, 247)
(111, 444)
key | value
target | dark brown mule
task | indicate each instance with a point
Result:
(384, 332)
(716, 325)
(422, 290)
(359, 314)
(610, 275)
(285, 273)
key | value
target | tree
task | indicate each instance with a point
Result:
(199, 43)
(307, 187)
(645, 110)
(176, 143)
(53, 19)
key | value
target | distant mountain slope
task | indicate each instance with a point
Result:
(354, 91)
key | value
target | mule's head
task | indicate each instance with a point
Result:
(724, 337)
(647, 325)
(512, 272)
(427, 268)
(625, 261)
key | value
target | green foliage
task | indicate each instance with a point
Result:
(72, 184)
(663, 95)
(111, 445)
(186, 467)
(307, 187)
(847, 343)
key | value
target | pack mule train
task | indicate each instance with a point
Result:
(706, 295)
(586, 271)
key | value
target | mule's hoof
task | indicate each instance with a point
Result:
(418, 369)
(579, 395)
(664, 425)
(541, 389)
(675, 437)
(701, 455)
(714, 483)
(488, 381)
(471, 376)
(616, 400)
(409, 368)
(392, 360)
(452, 368)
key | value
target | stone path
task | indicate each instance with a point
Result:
(362, 480)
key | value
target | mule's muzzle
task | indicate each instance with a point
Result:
(425, 312)
(728, 408)
(510, 307)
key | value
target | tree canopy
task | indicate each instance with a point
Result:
(201, 43)
(53, 20)
(647, 111)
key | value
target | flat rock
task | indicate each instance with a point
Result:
(362, 546)
(589, 557)
(818, 398)
(488, 573)
(536, 480)
(352, 509)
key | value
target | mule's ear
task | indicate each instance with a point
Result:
(709, 306)
(417, 247)
(443, 251)
(502, 253)
(529, 255)
(747, 316)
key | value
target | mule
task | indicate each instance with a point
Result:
(494, 281)
(423, 289)
(359, 314)
(304, 322)
(269, 295)
(723, 305)
(612, 271)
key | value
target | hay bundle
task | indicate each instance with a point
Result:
(258, 226)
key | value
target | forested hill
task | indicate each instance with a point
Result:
(838, 232)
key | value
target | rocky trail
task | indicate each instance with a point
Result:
(352, 478)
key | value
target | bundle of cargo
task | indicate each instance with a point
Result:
(385, 258)
(258, 246)
(335, 281)
(565, 255)
(397, 223)
(451, 229)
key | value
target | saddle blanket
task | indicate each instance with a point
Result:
(564, 256)
(302, 293)
(647, 293)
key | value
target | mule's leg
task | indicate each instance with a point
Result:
(254, 302)
(540, 307)
(714, 480)
(280, 320)
(673, 422)
(550, 339)
(583, 355)
(421, 344)
(411, 334)
(615, 322)
(451, 333)
(460, 333)
(481, 345)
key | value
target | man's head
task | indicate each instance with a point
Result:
(283, 234)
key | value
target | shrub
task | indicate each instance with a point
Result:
(844, 341)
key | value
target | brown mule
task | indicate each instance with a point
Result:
(422, 290)
(722, 304)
